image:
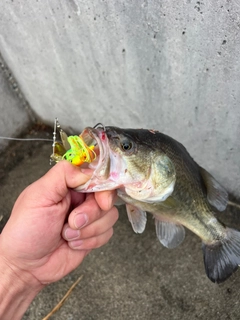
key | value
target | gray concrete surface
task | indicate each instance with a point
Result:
(15, 115)
(169, 65)
(133, 276)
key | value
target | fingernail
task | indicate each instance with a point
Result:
(76, 244)
(80, 220)
(71, 234)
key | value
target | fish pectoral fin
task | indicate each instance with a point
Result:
(169, 234)
(222, 258)
(217, 196)
(137, 217)
(169, 203)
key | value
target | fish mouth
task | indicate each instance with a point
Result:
(96, 137)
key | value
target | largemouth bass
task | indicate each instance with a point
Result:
(154, 173)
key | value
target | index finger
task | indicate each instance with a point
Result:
(106, 199)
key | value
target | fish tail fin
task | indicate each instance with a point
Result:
(222, 258)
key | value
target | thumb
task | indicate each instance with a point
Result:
(56, 182)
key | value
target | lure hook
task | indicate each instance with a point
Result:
(100, 125)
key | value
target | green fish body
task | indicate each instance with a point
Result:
(154, 173)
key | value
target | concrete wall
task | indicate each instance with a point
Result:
(168, 65)
(14, 114)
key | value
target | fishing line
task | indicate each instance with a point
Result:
(25, 139)
(234, 204)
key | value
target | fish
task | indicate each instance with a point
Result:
(154, 173)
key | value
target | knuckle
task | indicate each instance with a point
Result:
(93, 243)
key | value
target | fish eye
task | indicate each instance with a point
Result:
(126, 145)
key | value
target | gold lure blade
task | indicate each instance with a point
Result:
(58, 147)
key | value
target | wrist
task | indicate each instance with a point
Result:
(17, 290)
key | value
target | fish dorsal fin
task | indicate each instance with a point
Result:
(169, 234)
(137, 217)
(217, 196)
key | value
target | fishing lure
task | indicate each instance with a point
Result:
(79, 151)
(71, 148)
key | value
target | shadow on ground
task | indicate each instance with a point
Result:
(133, 276)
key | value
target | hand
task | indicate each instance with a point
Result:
(36, 238)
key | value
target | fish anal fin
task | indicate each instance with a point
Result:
(137, 217)
(169, 234)
(217, 196)
(223, 258)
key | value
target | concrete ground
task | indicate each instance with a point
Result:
(133, 276)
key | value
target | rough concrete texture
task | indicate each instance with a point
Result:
(167, 65)
(15, 116)
(133, 276)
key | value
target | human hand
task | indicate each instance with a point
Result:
(36, 240)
